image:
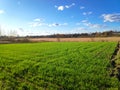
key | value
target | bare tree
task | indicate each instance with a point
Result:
(58, 37)
(0, 31)
(13, 33)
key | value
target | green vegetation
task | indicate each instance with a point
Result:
(57, 65)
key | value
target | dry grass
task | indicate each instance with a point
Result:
(100, 39)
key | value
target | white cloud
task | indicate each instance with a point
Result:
(53, 25)
(57, 24)
(111, 17)
(2, 11)
(96, 25)
(61, 8)
(36, 24)
(90, 25)
(82, 7)
(39, 22)
(68, 6)
(87, 13)
(84, 21)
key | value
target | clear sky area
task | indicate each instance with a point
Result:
(45, 17)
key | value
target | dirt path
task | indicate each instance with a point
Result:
(115, 62)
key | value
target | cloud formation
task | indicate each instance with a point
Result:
(91, 25)
(79, 30)
(82, 7)
(87, 13)
(111, 17)
(68, 6)
(61, 7)
(84, 21)
(39, 22)
(2, 11)
(57, 24)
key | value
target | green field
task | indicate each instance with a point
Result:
(57, 66)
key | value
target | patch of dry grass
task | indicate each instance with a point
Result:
(99, 39)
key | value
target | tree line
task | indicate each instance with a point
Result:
(78, 35)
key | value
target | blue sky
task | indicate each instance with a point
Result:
(43, 17)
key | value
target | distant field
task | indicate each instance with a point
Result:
(96, 39)
(57, 66)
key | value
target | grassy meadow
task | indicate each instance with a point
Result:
(57, 66)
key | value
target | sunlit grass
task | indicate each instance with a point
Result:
(56, 65)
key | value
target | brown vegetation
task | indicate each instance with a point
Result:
(83, 37)
(99, 39)
(14, 40)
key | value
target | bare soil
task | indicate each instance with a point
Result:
(115, 70)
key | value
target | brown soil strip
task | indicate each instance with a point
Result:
(115, 72)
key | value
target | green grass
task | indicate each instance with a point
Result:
(56, 65)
